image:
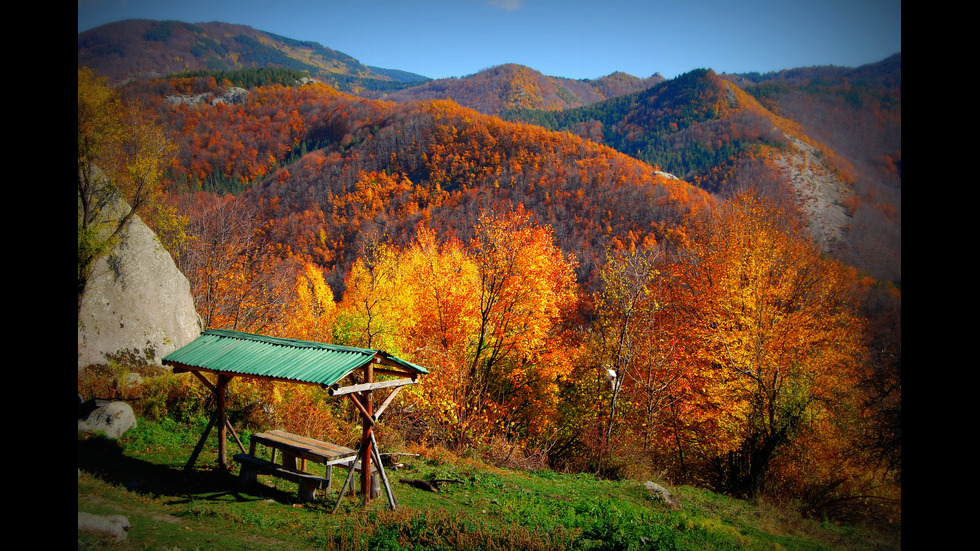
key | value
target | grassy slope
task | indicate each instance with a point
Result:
(142, 478)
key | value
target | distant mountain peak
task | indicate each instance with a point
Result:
(142, 49)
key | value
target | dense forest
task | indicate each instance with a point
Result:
(570, 297)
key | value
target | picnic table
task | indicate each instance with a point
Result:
(295, 451)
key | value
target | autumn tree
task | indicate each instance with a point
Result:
(769, 327)
(121, 157)
(525, 283)
(634, 352)
(375, 302)
(440, 281)
(485, 317)
(238, 279)
(311, 313)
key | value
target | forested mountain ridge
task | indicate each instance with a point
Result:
(141, 49)
(333, 171)
(510, 86)
(712, 133)
(826, 140)
(724, 138)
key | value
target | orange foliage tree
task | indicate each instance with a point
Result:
(525, 284)
(769, 330)
(482, 318)
(311, 312)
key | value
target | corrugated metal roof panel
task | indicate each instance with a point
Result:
(221, 350)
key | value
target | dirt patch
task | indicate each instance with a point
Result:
(170, 519)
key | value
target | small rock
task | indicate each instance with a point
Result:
(664, 495)
(114, 525)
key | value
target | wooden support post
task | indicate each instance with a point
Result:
(386, 403)
(204, 381)
(361, 408)
(235, 434)
(200, 444)
(219, 418)
(384, 476)
(347, 481)
(366, 436)
(222, 421)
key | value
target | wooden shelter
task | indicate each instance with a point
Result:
(340, 370)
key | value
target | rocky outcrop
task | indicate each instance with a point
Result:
(137, 306)
(233, 96)
(818, 191)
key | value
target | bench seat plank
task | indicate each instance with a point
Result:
(308, 483)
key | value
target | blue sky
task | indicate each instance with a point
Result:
(571, 38)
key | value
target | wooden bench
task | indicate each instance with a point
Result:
(308, 483)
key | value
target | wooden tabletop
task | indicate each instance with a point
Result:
(303, 447)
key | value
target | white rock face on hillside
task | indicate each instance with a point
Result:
(819, 191)
(137, 303)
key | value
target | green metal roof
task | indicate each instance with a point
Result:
(234, 352)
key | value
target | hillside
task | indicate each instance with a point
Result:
(824, 140)
(142, 478)
(507, 87)
(353, 167)
(143, 49)
(813, 138)
(857, 114)
(708, 129)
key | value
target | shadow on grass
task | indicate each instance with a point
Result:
(104, 458)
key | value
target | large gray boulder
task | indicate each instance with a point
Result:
(113, 419)
(137, 305)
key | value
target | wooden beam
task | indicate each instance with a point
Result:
(204, 381)
(384, 476)
(380, 410)
(362, 408)
(393, 373)
(343, 490)
(367, 387)
(235, 434)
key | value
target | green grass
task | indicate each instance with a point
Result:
(142, 477)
